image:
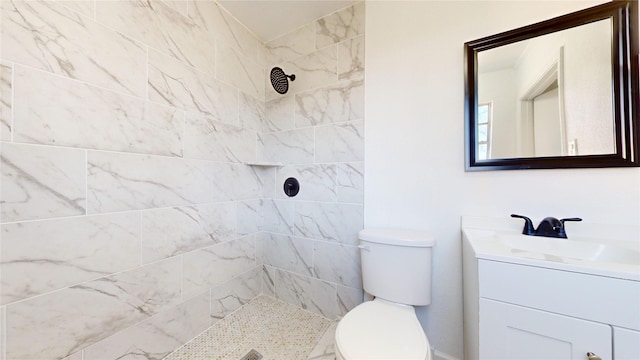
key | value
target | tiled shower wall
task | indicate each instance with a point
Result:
(309, 247)
(124, 127)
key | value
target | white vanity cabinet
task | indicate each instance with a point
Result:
(528, 312)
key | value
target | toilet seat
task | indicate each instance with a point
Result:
(380, 330)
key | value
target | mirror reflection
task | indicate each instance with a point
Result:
(547, 96)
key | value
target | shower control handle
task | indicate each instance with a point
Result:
(592, 356)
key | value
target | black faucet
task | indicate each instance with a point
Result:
(549, 226)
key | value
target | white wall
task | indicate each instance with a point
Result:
(414, 143)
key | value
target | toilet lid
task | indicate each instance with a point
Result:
(381, 330)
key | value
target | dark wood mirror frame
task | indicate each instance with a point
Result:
(624, 82)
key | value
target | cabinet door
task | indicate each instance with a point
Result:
(514, 332)
(626, 344)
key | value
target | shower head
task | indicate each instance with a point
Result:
(279, 80)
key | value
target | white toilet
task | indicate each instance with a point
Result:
(396, 269)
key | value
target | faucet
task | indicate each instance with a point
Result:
(549, 226)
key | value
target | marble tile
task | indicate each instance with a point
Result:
(329, 222)
(325, 348)
(6, 101)
(292, 45)
(2, 332)
(350, 184)
(91, 117)
(341, 25)
(238, 291)
(348, 298)
(236, 182)
(172, 231)
(158, 25)
(41, 182)
(60, 323)
(278, 216)
(287, 147)
(75, 356)
(337, 263)
(42, 256)
(268, 178)
(250, 216)
(336, 103)
(351, 59)
(317, 69)
(117, 181)
(176, 84)
(340, 142)
(51, 37)
(288, 253)
(262, 54)
(157, 336)
(279, 113)
(252, 113)
(222, 26)
(205, 138)
(235, 69)
(84, 7)
(268, 280)
(317, 181)
(180, 6)
(217, 264)
(308, 293)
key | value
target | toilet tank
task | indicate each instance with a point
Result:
(396, 265)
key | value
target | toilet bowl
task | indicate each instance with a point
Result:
(396, 269)
(381, 329)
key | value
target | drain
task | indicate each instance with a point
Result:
(252, 355)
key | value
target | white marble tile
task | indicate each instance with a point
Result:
(340, 142)
(292, 45)
(341, 25)
(351, 59)
(317, 181)
(75, 356)
(252, 113)
(268, 178)
(278, 216)
(317, 69)
(239, 71)
(90, 117)
(208, 139)
(41, 182)
(51, 37)
(288, 253)
(262, 54)
(6, 101)
(279, 113)
(177, 84)
(157, 336)
(350, 184)
(337, 263)
(329, 222)
(180, 6)
(223, 27)
(287, 147)
(348, 298)
(173, 231)
(217, 264)
(238, 291)
(268, 280)
(325, 348)
(61, 323)
(84, 7)
(236, 182)
(119, 181)
(308, 293)
(250, 216)
(158, 25)
(42, 256)
(335, 103)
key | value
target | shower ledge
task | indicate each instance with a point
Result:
(264, 164)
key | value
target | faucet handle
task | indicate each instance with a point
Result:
(528, 224)
(570, 219)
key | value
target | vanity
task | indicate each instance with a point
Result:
(529, 297)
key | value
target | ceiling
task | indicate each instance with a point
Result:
(269, 19)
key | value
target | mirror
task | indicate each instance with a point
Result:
(562, 93)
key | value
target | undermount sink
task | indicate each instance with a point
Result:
(573, 249)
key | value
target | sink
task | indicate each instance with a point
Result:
(587, 250)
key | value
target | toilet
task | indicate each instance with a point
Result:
(396, 270)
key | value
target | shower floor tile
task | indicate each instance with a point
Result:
(276, 329)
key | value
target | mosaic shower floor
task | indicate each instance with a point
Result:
(275, 329)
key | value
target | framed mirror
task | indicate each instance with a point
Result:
(562, 93)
